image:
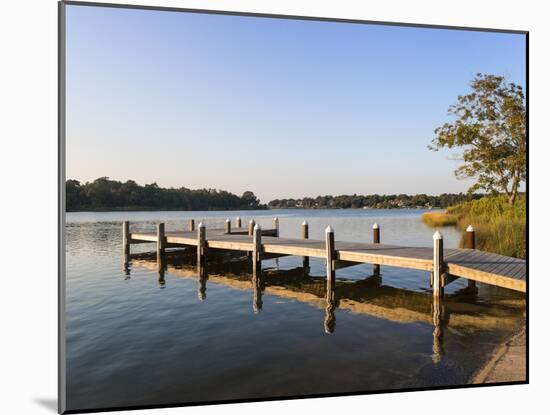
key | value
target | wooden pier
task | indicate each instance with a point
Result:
(444, 265)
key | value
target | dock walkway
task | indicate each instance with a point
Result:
(445, 265)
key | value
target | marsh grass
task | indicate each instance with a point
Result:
(500, 228)
(437, 219)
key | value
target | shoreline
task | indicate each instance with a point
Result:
(507, 363)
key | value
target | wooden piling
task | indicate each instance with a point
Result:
(126, 239)
(305, 235)
(257, 249)
(470, 243)
(161, 241)
(201, 245)
(330, 258)
(376, 240)
(191, 225)
(438, 270)
(251, 225)
(276, 225)
(227, 229)
(238, 222)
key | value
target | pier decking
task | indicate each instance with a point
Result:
(445, 265)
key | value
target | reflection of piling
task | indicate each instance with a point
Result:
(161, 271)
(330, 265)
(161, 243)
(126, 246)
(470, 243)
(191, 225)
(376, 240)
(257, 249)
(201, 245)
(438, 266)
(330, 318)
(437, 318)
(257, 302)
(276, 225)
(203, 276)
(305, 235)
(238, 222)
(227, 228)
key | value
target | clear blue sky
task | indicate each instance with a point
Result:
(285, 108)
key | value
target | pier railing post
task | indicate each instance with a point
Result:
(201, 244)
(438, 271)
(330, 258)
(276, 225)
(256, 249)
(161, 243)
(238, 222)
(251, 225)
(191, 225)
(470, 243)
(376, 240)
(305, 235)
(227, 226)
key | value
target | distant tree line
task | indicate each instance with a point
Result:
(106, 194)
(375, 201)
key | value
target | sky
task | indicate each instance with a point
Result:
(284, 108)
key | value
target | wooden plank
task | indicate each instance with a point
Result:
(487, 277)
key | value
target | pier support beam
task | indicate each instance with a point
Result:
(238, 222)
(257, 250)
(437, 285)
(201, 246)
(276, 225)
(470, 243)
(227, 228)
(191, 225)
(305, 235)
(330, 258)
(376, 240)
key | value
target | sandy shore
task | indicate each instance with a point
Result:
(508, 362)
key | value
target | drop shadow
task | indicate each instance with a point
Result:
(48, 403)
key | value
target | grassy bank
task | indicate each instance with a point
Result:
(437, 219)
(500, 228)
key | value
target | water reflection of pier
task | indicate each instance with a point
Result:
(367, 296)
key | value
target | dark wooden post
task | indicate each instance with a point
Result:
(238, 222)
(276, 225)
(126, 239)
(192, 225)
(376, 240)
(227, 226)
(161, 242)
(470, 243)
(257, 249)
(438, 271)
(251, 227)
(330, 258)
(201, 294)
(201, 245)
(305, 235)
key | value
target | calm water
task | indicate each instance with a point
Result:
(143, 337)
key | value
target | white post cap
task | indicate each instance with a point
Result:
(201, 225)
(251, 221)
(304, 223)
(238, 218)
(275, 218)
(228, 220)
(375, 226)
(257, 227)
(437, 235)
(329, 229)
(470, 228)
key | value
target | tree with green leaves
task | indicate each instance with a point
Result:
(490, 125)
